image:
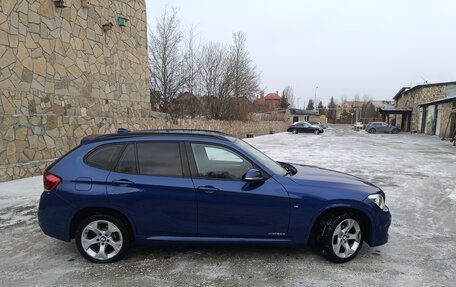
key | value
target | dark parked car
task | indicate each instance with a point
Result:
(374, 127)
(304, 127)
(181, 186)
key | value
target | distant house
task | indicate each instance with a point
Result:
(267, 103)
(427, 108)
(298, 115)
(383, 104)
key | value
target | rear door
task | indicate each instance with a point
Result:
(152, 184)
(227, 205)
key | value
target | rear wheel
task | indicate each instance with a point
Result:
(102, 239)
(341, 237)
(295, 131)
(372, 131)
(395, 131)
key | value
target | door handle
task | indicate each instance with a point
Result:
(208, 189)
(123, 181)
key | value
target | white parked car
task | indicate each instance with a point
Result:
(358, 125)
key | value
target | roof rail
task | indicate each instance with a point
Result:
(123, 131)
(185, 131)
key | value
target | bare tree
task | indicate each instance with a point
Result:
(165, 60)
(289, 95)
(190, 63)
(343, 99)
(356, 100)
(214, 79)
(190, 105)
(242, 71)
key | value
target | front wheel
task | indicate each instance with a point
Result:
(102, 239)
(341, 237)
(317, 132)
(295, 131)
(372, 131)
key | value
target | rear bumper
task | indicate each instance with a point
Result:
(54, 216)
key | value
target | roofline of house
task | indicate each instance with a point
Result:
(447, 99)
(399, 94)
(406, 90)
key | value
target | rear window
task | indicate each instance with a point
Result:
(127, 162)
(104, 157)
(159, 159)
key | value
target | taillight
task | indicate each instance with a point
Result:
(50, 181)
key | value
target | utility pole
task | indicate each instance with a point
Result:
(315, 100)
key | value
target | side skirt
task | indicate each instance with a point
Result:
(212, 240)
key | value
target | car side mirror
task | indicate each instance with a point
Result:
(253, 175)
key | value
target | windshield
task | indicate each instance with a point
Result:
(261, 157)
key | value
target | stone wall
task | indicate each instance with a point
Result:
(61, 72)
(30, 143)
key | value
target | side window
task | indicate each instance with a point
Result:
(216, 162)
(159, 159)
(215, 153)
(127, 162)
(103, 157)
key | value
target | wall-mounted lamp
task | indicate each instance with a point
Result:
(122, 21)
(107, 27)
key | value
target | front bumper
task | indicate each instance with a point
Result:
(381, 221)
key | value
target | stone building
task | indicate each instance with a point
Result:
(67, 69)
(427, 108)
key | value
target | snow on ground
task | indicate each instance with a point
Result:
(417, 173)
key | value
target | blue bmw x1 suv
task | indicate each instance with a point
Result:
(187, 186)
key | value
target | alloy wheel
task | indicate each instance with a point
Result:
(101, 240)
(346, 239)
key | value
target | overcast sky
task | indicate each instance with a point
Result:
(344, 47)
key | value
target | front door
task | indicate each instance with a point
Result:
(438, 121)
(151, 185)
(229, 206)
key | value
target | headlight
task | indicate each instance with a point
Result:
(377, 199)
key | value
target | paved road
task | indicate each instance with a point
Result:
(417, 173)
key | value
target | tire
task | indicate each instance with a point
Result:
(340, 237)
(395, 131)
(295, 131)
(317, 132)
(372, 131)
(102, 239)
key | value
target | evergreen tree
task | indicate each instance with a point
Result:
(331, 114)
(310, 105)
(284, 101)
(321, 108)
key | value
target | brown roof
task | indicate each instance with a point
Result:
(272, 96)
